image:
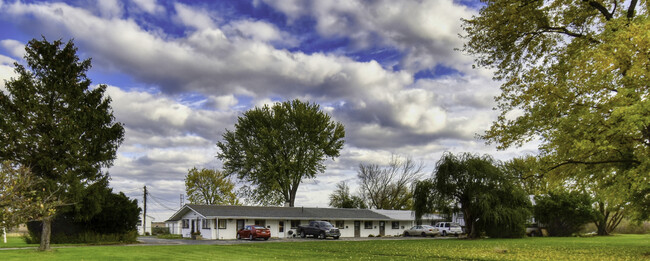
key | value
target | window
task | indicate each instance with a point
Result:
(205, 224)
(340, 224)
(260, 222)
(395, 225)
(186, 223)
(367, 224)
(295, 224)
(222, 224)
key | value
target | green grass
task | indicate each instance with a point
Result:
(14, 241)
(620, 247)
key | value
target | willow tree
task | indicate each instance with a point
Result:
(575, 76)
(272, 149)
(53, 122)
(477, 187)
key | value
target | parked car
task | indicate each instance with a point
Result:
(533, 230)
(449, 228)
(423, 230)
(254, 231)
(320, 229)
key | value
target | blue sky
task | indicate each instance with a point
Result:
(180, 72)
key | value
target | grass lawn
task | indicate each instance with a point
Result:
(620, 247)
(14, 241)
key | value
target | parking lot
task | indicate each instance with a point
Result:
(149, 240)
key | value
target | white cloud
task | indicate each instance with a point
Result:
(193, 17)
(427, 31)
(149, 6)
(15, 48)
(110, 8)
(6, 71)
(262, 32)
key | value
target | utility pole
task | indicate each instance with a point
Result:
(144, 217)
(181, 200)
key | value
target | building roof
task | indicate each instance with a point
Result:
(216, 211)
(405, 214)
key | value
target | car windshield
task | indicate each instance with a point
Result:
(259, 227)
(324, 224)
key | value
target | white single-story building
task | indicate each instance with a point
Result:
(223, 222)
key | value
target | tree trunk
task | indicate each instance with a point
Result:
(602, 228)
(45, 234)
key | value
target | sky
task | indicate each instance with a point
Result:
(179, 73)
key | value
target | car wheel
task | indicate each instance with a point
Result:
(266, 238)
(251, 237)
(406, 234)
(424, 234)
(321, 235)
(533, 234)
(238, 236)
(336, 237)
(444, 233)
(302, 234)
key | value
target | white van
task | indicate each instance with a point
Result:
(449, 228)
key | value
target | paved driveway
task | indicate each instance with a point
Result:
(150, 240)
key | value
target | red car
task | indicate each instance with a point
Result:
(253, 232)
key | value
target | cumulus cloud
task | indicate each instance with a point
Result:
(110, 8)
(427, 31)
(6, 71)
(149, 6)
(262, 32)
(15, 48)
(193, 17)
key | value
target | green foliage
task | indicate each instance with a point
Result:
(17, 197)
(207, 186)
(119, 215)
(563, 213)
(118, 218)
(274, 148)
(160, 231)
(341, 198)
(575, 77)
(53, 122)
(169, 236)
(476, 186)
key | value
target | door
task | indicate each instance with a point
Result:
(382, 228)
(281, 229)
(193, 223)
(240, 224)
(357, 228)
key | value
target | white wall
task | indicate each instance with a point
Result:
(230, 232)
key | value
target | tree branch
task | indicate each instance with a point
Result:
(630, 9)
(600, 8)
(592, 162)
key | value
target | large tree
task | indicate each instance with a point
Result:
(389, 186)
(341, 198)
(274, 148)
(575, 76)
(478, 188)
(53, 122)
(209, 186)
